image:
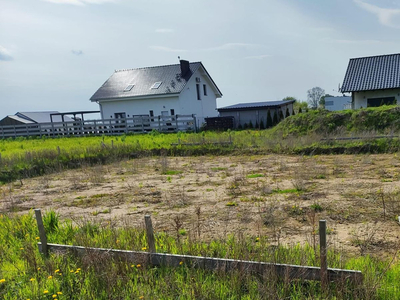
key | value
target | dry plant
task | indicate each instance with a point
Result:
(364, 237)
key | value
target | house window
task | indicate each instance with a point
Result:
(151, 115)
(198, 91)
(129, 87)
(205, 89)
(375, 102)
(156, 85)
(172, 112)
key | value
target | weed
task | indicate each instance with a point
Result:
(255, 175)
(231, 203)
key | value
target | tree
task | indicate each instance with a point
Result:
(314, 96)
(287, 98)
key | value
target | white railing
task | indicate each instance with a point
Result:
(141, 124)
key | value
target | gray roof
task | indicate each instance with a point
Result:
(143, 79)
(266, 104)
(19, 119)
(372, 73)
(41, 116)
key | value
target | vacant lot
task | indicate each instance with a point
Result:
(281, 197)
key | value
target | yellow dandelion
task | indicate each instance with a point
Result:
(117, 241)
(54, 296)
(59, 274)
(141, 297)
(181, 262)
(56, 271)
(138, 265)
(257, 239)
(132, 266)
(38, 269)
(50, 277)
(72, 271)
(32, 279)
(78, 269)
(76, 272)
(2, 280)
(144, 248)
(37, 237)
(21, 248)
(45, 292)
(59, 293)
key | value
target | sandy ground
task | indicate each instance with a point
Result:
(281, 197)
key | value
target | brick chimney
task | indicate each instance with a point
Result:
(185, 67)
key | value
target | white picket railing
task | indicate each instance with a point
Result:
(141, 124)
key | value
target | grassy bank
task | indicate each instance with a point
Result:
(25, 274)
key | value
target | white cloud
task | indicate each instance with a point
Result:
(164, 30)
(230, 46)
(343, 41)
(77, 52)
(166, 49)
(5, 54)
(79, 2)
(258, 56)
(386, 16)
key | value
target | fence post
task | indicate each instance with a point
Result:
(159, 124)
(150, 234)
(322, 249)
(42, 232)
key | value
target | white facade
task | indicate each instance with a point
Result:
(337, 103)
(184, 103)
(361, 98)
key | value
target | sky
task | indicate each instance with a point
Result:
(55, 54)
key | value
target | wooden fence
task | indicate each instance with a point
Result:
(324, 274)
(138, 124)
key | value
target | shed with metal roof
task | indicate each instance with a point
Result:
(256, 113)
(373, 81)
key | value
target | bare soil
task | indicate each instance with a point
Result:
(281, 197)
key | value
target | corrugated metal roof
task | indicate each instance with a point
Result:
(372, 73)
(41, 116)
(256, 105)
(143, 79)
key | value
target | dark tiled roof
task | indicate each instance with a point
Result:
(372, 73)
(269, 104)
(143, 79)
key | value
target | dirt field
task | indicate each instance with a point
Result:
(281, 197)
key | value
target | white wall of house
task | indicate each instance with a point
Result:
(337, 103)
(203, 108)
(360, 98)
(140, 106)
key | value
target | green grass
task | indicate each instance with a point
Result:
(255, 175)
(26, 274)
(299, 134)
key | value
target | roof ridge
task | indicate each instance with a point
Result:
(152, 67)
(393, 54)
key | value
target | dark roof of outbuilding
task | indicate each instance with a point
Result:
(252, 105)
(372, 73)
(41, 116)
(143, 79)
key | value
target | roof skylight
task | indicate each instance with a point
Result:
(156, 85)
(129, 87)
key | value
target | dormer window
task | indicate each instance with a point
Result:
(156, 85)
(129, 87)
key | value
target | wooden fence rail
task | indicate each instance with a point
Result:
(286, 271)
(102, 127)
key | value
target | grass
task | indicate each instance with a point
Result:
(299, 134)
(26, 274)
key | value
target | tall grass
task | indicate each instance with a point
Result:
(26, 274)
(22, 158)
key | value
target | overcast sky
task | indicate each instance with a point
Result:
(54, 54)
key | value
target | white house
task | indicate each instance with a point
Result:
(373, 81)
(181, 89)
(337, 103)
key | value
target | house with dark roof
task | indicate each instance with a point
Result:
(181, 89)
(373, 81)
(257, 112)
(21, 118)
